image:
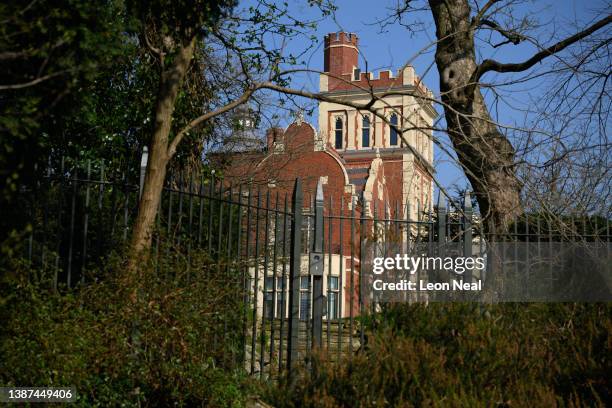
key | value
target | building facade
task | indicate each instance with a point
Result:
(384, 162)
(376, 163)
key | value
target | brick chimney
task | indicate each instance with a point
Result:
(273, 135)
(341, 53)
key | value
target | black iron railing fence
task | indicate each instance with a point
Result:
(296, 264)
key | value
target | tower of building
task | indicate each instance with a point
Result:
(244, 137)
(385, 163)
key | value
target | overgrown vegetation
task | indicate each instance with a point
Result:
(171, 338)
(84, 79)
(174, 338)
(467, 355)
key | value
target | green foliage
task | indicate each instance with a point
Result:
(162, 339)
(100, 100)
(63, 44)
(469, 356)
(182, 18)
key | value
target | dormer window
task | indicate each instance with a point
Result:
(365, 132)
(393, 133)
(338, 133)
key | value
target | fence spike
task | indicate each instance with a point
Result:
(317, 264)
(441, 201)
(467, 202)
(144, 159)
(320, 190)
(294, 276)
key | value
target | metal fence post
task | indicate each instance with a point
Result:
(441, 216)
(294, 276)
(441, 210)
(143, 169)
(316, 270)
(467, 232)
(362, 254)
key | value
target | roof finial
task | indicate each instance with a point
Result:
(319, 196)
(299, 117)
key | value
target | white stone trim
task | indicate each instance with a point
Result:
(342, 45)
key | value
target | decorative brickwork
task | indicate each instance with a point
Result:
(377, 179)
(406, 177)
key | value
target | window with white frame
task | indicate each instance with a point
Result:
(393, 132)
(333, 297)
(365, 131)
(338, 133)
(274, 299)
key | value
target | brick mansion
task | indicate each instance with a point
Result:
(362, 159)
(372, 164)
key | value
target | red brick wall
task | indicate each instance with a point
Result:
(299, 159)
(340, 54)
(393, 175)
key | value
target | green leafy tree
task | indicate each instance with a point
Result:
(51, 54)
(171, 30)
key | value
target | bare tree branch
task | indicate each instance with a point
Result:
(492, 65)
(482, 12)
(512, 36)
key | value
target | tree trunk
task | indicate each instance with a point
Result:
(171, 79)
(485, 154)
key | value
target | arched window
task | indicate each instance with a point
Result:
(365, 132)
(338, 133)
(393, 121)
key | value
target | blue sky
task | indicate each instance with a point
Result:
(392, 46)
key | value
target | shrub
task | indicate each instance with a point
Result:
(468, 355)
(167, 338)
